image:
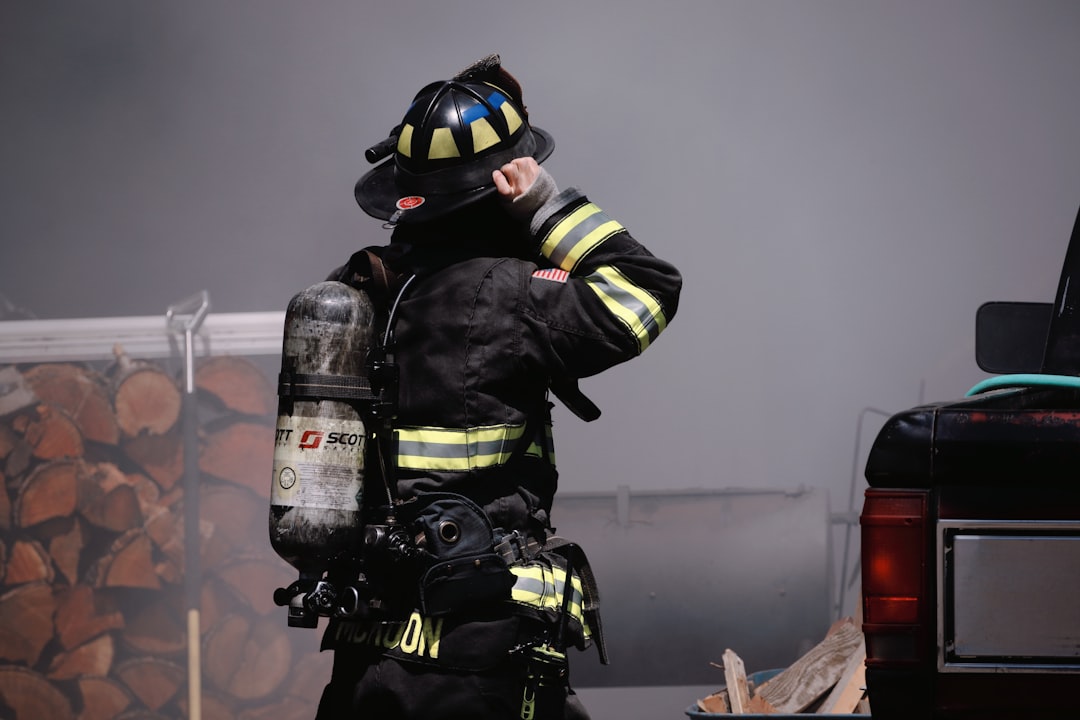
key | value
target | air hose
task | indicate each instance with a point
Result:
(1024, 380)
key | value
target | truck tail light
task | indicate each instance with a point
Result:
(894, 561)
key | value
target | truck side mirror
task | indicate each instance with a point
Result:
(1010, 337)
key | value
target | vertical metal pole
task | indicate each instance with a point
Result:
(192, 560)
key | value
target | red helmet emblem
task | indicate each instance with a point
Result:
(410, 202)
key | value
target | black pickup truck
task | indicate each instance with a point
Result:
(971, 530)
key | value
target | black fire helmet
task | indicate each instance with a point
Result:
(454, 135)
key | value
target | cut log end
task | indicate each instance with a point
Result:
(147, 401)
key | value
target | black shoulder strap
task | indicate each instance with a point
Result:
(366, 271)
(570, 395)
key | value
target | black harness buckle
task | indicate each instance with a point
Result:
(515, 547)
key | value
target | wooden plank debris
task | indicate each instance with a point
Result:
(830, 679)
(850, 688)
(716, 703)
(812, 675)
(735, 676)
(760, 706)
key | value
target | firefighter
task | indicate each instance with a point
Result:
(499, 291)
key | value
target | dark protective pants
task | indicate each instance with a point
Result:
(465, 666)
(390, 689)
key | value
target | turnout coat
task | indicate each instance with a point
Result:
(497, 315)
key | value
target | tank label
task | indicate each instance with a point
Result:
(318, 463)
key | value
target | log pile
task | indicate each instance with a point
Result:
(92, 618)
(827, 680)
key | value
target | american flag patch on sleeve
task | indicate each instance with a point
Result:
(555, 274)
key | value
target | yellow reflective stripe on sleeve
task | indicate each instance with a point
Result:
(541, 586)
(433, 448)
(634, 306)
(576, 235)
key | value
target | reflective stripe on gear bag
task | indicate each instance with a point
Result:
(541, 585)
(544, 446)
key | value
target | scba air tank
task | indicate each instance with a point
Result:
(324, 407)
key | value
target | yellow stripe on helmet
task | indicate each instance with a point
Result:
(442, 145)
(484, 136)
(513, 120)
(404, 143)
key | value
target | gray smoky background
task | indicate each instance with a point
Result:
(841, 183)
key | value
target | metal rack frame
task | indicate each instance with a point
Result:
(86, 339)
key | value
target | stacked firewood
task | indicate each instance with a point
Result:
(830, 679)
(93, 623)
